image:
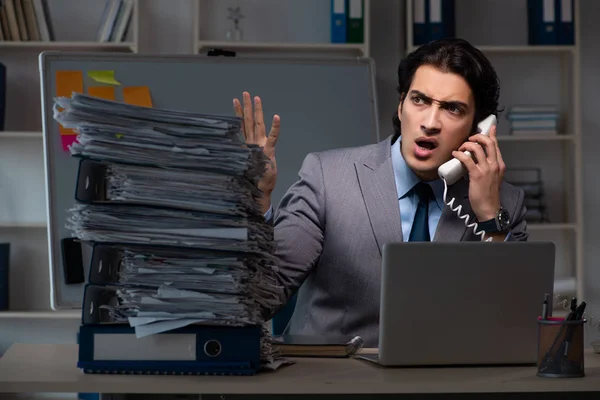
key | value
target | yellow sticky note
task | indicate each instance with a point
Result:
(104, 77)
(68, 82)
(137, 95)
(103, 92)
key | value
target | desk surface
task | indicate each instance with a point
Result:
(52, 368)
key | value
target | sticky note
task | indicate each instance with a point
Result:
(137, 95)
(68, 82)
(67, 140)
(104, 77)
(103, 92)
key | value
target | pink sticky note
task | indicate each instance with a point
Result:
(68, 140)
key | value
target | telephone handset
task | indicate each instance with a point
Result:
(452, 170)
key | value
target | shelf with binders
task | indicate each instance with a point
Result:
(281, 27)
(508, 27)
(88, 25)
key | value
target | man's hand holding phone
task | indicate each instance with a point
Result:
(254, 130)
(486, 173)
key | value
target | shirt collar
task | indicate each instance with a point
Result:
(406, 179)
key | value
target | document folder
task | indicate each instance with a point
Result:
(191, 350)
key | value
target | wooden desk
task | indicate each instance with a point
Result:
(52, 368)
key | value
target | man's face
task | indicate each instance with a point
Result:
(436, 116)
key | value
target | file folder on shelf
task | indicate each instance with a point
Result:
(338, 21)
(542, 21)
(441, 19)
(566, 23)
(420, 24)
(433, 20)
(355, 22)
(191, 350)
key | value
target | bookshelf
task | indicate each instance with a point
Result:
(295, 28)
(534, 74)
(75, 26)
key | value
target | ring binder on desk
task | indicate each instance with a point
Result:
(191, 350)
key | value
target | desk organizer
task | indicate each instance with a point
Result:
(560, 348)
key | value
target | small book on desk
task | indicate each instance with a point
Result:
(317, 346)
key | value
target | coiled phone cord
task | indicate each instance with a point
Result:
(465, 217)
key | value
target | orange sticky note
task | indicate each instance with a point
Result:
(68, 82)
(103, 92)
(68, 140)
(137, 95)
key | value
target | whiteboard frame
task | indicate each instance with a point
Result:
(46, 81)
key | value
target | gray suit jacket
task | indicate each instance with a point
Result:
(330, 228)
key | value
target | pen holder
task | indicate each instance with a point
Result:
(560, 348)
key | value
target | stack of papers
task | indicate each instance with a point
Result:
(181, 200)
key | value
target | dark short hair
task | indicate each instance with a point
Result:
(456, 56)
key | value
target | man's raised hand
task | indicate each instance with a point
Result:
(255, 132)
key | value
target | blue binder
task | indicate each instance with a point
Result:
(441, 19)
(191, 350)
(420, 22)
(542, 25)
(433, 20)
(566, 22)
(338, 21)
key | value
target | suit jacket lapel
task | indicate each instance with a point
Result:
(378, 188)
(451, 228)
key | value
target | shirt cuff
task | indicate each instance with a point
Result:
(269, 213)
(507, 236)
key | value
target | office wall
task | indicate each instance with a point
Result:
(166, 27)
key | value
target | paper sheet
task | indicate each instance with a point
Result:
(163, 326)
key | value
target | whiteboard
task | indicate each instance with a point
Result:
(323, 104)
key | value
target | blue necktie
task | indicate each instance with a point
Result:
(420, 228)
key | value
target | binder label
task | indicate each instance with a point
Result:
(355, 9)
(435, 11)
(338, 6)
(548, 10)
(566, 14)
(419, 11)
(176, 346)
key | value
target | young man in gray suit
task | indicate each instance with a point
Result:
(347, 203)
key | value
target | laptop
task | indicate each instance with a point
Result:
(462, 303)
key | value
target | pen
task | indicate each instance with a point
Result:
(579, 311)
(545, 307)
(573, 304)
